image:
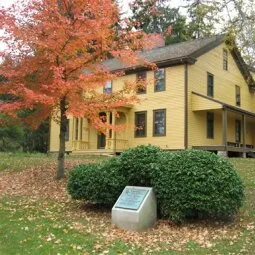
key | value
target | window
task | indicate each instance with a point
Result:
(159, 76)
(159, 122)
(76, 129)
(108, 87)
(238, 131)
(238, 96)
(210, 125)
(67, 131)
(210, 85)
(141, 82)
(81, 127)
(140, 123)
(225, 59)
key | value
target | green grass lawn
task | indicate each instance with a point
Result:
(34, 222)
(20, 161)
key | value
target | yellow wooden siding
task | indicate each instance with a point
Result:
(54, 135)
(200, 104)
(224, 90)
(172, 99)
(200, 138)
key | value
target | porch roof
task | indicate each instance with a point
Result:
(203, 103)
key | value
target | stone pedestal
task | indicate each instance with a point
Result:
(222, 154)
(135, 209)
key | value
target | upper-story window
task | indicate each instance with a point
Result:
(108, 87)
(210, 85)
(238, 96)
(160, 80)
(159, 122)
(225, 59)
(141, 80)
(140, 123)
(210, 125)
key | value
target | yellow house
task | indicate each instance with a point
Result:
(202, 96)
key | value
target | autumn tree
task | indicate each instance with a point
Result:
(54, 62)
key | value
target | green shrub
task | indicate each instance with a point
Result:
(138, 164)
(192, 183)
(99, 183)
(81, 181)
(186, 183)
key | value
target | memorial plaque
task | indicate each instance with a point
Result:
(131, 198)
(135, 209)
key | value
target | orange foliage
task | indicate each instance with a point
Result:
(55, 51)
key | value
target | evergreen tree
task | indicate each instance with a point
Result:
(203, 17)
(156, 16)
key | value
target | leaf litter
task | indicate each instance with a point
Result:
(39, 184)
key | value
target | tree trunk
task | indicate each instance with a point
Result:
(61, 152)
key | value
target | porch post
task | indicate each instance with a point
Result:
(224, 127)
(79, 133)
(224, 132)
(244, 134)
(107, 131)
(73, 135)
(113, 131)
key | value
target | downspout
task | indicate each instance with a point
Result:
(186, 106)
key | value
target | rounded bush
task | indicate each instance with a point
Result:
(192, 183)
(138, 164)
(99, 183)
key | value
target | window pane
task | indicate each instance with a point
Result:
(160, 80)
(108, 87)
(67, 131)
(238, 131)
(160, 122)
(141, 80)
(76, 128)
(210, 125)
(225, 59)
(140, 123)
(238, 96)
(210, 85)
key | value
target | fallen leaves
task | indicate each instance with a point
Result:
(39, 186)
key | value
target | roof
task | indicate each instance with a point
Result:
(225, 105)
(185, 52)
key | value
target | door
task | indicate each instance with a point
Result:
(101, 138)
(101, 141)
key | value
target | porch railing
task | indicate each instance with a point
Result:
(80, 145)
(121, 144)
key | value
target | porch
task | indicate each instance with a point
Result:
(87, 140)
(233, 126)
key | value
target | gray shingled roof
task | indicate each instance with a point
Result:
(193, 48)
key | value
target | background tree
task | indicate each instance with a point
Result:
(157, 16)
(203, 16)
(15, 136)
(53, 64)
(240, 20)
